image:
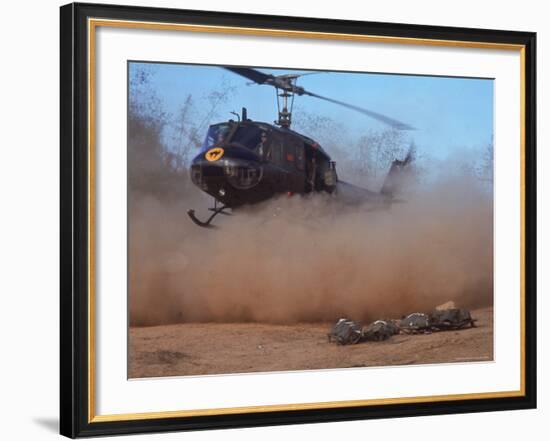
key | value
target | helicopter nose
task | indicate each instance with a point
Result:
(204, 174)
(243, 176)
(238, 173)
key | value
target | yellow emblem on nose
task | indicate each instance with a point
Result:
(214, 154)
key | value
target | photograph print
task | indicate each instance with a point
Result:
(297, 219)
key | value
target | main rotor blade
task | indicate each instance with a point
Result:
(278, 81)
(299, 74)
(377, 116)
(252, 74)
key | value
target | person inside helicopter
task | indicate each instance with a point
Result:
(262, 149)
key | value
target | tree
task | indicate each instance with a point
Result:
(190, 122)
(486, 168)
(161, 144)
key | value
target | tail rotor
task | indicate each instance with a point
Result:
(395, 179)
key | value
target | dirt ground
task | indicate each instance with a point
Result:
(214, 348)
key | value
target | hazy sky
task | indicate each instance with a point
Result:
(449, 114)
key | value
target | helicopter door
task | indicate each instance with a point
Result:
(294, 163)
(300, 160)
(277, 144)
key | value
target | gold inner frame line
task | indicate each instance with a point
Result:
(92, 25)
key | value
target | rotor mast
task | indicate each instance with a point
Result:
(285, 115)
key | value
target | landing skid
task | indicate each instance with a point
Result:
(207, 223)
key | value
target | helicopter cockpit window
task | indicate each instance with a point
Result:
(216, 135)
(253, 138)
(247, 136)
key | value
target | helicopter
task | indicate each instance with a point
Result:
(243, 162)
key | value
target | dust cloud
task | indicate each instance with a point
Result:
(303, 259)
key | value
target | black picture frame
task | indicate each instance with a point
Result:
(75, 415)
